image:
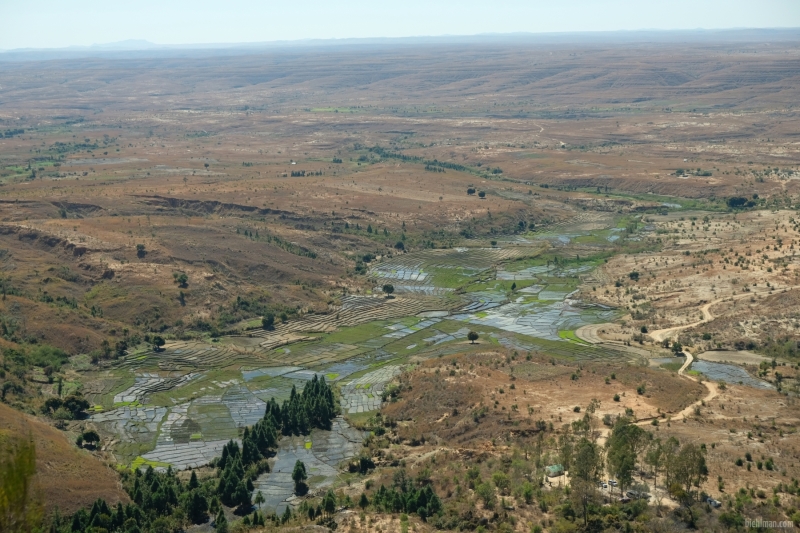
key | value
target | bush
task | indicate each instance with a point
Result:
(44, 356)
(527, 492)
(485, 492)
(501, 481)
(181, 279)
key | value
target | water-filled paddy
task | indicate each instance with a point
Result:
(322, 458)
(729, 374)
(360, 355)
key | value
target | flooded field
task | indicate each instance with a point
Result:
(179, 406)
(729, 374)
(321, 452)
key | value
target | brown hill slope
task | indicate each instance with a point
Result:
(67, 477)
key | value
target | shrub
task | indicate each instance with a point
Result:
(501, 481)
(485, 492)
(527, 492)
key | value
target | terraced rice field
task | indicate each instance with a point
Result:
(321, 452)
(180, 405)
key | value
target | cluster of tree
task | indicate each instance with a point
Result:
(65, 148)
(248, 233)
(360, 267)
(90, 437)
(253, 305)
(314, 407)
(16, 363)
(290, 247)
(157, 341)
(42, 356)
(69, 408)
(277, 241)
(299, 476)
(72, 303)
(739, 202)
(684, 466)
(161, 502)
(181, 278)
(388, 154)
(235, 485)
(404, 497)
(449, 165)
(357, 227)
(119, 349)
(322, 511)
(11, 133)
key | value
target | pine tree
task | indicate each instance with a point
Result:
(299, 477)
(221, 523)
(287, 515)
(197, 508)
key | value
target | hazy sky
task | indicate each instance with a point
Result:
(57, 23)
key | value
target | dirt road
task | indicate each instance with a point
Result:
(661, 334)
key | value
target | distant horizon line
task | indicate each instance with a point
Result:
(143, 45)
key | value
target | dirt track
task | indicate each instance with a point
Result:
(661, 334)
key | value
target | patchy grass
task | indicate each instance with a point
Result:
(672, 367)
(360, 420)
(357, 334)
(140, 461)
(568, 334)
